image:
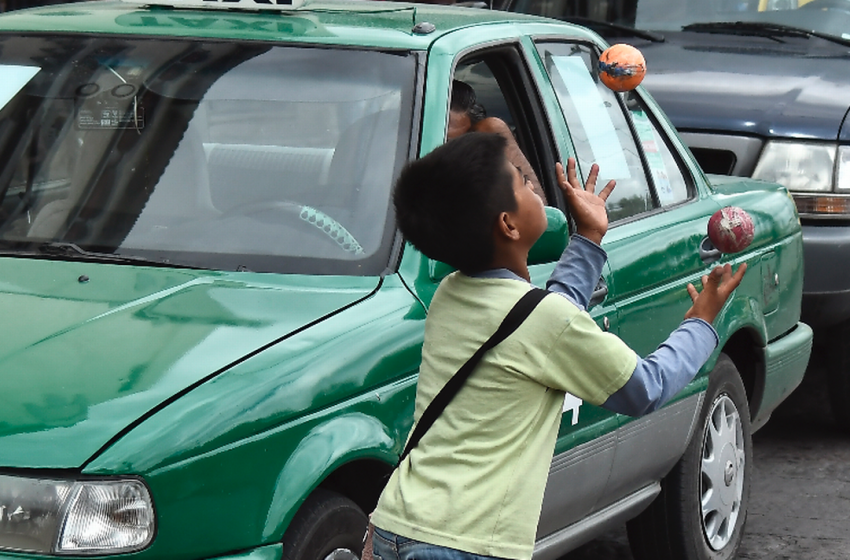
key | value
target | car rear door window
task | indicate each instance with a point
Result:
(672, 185)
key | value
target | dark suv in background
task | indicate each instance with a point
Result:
(757, 88)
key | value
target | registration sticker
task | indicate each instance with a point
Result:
(111, 118)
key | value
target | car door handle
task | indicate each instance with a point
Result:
(599, 293)
(708, 252)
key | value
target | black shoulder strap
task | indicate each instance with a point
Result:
(512, 320)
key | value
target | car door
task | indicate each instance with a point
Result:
(655, 256)
(657, 226)
(584, 450)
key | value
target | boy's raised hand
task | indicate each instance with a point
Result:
(717, 286)
(586, 207)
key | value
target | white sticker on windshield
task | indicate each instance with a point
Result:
(601, 135)
(651, 149)
(13, 79)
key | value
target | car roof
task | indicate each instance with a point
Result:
(349, 22)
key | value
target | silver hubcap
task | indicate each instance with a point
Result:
(722, 469)
(342, 554)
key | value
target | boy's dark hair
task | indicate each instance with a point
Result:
(447, 203)
(464, 100)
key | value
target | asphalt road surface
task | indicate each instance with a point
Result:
(800, 494)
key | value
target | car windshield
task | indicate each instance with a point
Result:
(220, 155)
(828, 17)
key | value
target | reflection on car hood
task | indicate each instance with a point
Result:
(797, 88)
(85, 349)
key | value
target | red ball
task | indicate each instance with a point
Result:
(621, 67)
(731, 229)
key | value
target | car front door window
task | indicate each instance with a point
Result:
(600, 130)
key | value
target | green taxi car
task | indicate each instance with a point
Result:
(211, 327)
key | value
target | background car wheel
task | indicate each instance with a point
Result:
(838, 368)
(701, 510)
(328, 526)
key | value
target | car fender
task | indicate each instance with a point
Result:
(326, 448)
(741, 313)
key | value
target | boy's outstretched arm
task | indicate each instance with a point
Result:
(586, 207)
(661, 375)
(717, 286)
(580, 266)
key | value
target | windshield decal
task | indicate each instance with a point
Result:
(13, 79)
(594, 117)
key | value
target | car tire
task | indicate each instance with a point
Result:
(328, 526)
(838, 376)
(690, 519)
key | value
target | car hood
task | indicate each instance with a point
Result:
(798, 88)
(86, 349)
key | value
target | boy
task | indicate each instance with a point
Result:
(473, 486)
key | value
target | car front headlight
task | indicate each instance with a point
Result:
(817, 175)
(797, 166)
(79, 517)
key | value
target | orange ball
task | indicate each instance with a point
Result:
(621, 67)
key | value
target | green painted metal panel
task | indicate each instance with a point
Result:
(229, 463)
(785, 363)
(326, 22)
(105, 351)
(271, 552)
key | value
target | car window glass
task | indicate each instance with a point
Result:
(504, 103)
(823, 16)
(560, 8)
(217, 155)
(599, 128)
(480, 77)
(672, 186)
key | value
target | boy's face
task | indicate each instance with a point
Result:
(530, 214)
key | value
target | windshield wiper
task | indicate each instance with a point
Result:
(623, 29)
(765, 29)
(65, 249)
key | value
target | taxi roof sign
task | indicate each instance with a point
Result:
(252, 5)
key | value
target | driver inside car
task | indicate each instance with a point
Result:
(467, 115)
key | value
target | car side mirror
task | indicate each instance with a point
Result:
(552, 243)
(547, 249)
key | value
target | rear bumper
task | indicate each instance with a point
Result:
(826, 280)
(785, 362)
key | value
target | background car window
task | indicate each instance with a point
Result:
(671, 185)
(559, 8)
(599, 128)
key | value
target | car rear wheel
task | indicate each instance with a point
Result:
(701, 510)
(328, 526)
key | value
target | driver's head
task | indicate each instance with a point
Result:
(464, 110)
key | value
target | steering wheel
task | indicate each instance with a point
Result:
(315, 220)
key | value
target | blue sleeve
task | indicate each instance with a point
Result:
(578, 270)
(665, 372)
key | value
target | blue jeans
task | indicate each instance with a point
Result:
(389, 546)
